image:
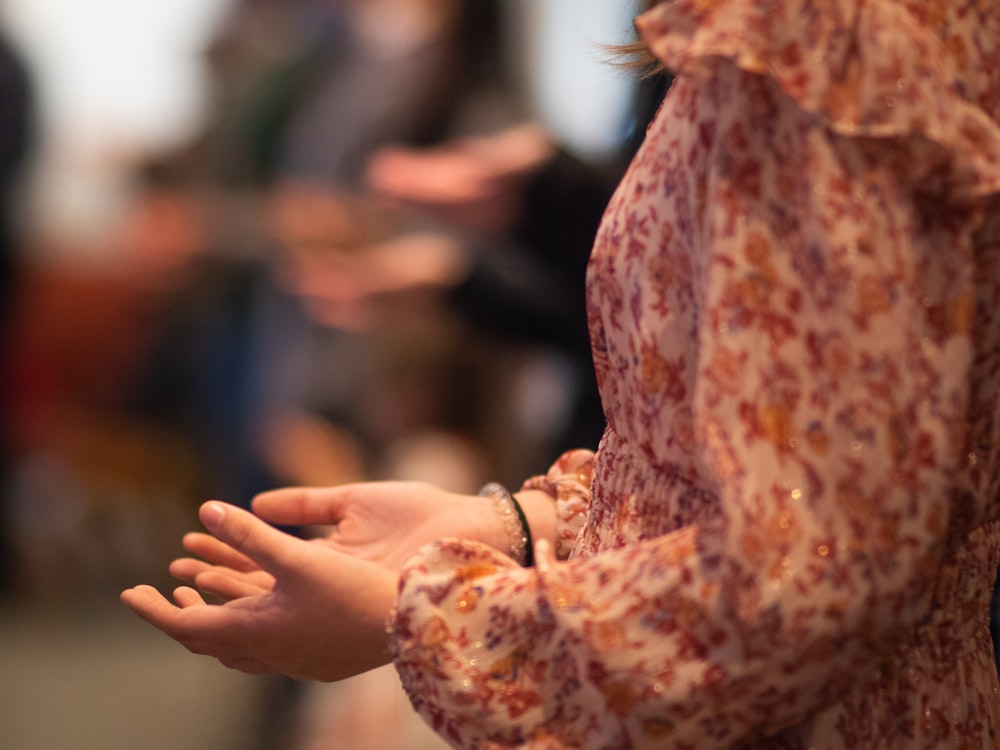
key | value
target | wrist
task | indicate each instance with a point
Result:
(540, 510)
(507, 510)
(519, 520)
(487, 525)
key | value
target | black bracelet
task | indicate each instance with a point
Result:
(529, 551)
(515, 523)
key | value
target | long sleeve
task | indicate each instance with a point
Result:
(780, 545)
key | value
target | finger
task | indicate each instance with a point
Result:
(185, 596)
(152, 607)
(187, 568)
(205, 629)
(303, 506)
(229, 587)
(211, 549)
(212, 578)
(272, 550)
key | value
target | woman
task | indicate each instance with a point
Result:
(791, 531)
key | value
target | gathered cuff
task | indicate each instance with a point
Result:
(568, 482)
(866, 69)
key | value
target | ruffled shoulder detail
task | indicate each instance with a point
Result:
(868, 68)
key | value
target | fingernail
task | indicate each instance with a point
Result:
(212, 514)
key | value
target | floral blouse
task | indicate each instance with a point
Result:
(791, 527)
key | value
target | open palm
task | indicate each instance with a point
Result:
(322, 616)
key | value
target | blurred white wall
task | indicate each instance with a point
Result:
(114, 78)
(571, 83)
(117, 71)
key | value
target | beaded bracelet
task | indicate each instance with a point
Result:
(515, 523)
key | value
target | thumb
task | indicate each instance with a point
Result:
(244, 532)
(302, 506)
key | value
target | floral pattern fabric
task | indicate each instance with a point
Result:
(792, 526)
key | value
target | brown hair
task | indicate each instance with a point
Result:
(635, 56)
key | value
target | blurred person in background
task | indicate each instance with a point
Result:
(517, 214)
(306, 91)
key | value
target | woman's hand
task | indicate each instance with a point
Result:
(312, 613)
(383, 522)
